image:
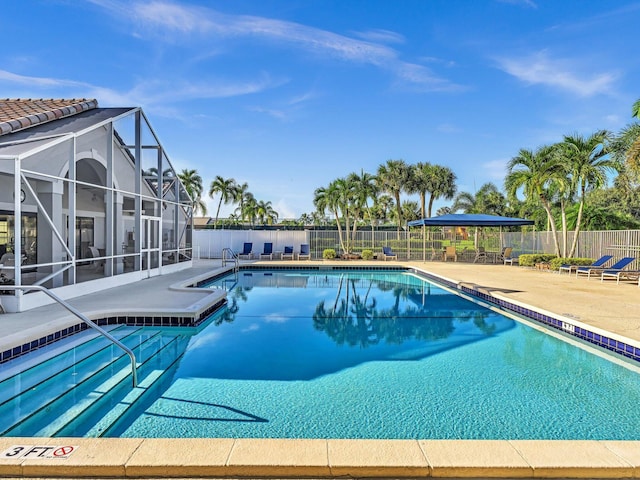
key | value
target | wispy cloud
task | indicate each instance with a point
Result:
(382, 36)
(42, 82)
(176, 21)
(151, 95)
(523, 3)
(540, 69)
(495, 169)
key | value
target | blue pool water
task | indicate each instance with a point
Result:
(337, 354)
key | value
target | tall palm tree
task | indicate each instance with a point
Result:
(392, 178)
(541, 177)
(436, 181)
(365, 188)
(625, 147)
(227, 189)
(590, 162)
(192, 183)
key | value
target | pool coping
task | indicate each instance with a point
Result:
(311, 458)
(316, 458)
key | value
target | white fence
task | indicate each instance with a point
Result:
(411, 245)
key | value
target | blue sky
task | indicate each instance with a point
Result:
(289, 95)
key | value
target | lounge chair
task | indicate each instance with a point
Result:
(481, 254)
(387, 253)
(569, 268)
(619, 265)
(304, 252)
(267, 251)
(618, 270)
(247, 251)
(507, 258)
(450, 252)
(288, 253)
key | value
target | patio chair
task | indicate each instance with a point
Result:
(507, 258)
(450, 252)
(387, 253)
(304, 252)
(247, 251)
(481, 254)
(618, 271)
(619, 265)
(267, 251)
(570, 268)
(288, 253)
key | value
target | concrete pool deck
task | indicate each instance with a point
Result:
(607, 306)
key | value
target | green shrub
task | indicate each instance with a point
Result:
(329, 253)
(556, 262)
(530, 259)
(367, 254)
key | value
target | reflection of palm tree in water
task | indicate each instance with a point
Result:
(349, 320)
(355, 320)
(228, 314)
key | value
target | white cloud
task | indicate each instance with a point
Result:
(447, 128)
(379, 35)
(524, 3)
(540, 69)
(495, 169)
(176, 22)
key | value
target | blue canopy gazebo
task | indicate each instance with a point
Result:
(467, 220)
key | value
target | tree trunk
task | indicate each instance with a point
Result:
(574, 244)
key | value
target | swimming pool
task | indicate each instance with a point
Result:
(372, 354)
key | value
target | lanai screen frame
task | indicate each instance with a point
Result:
(171, 203)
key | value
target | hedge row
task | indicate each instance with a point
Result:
(531, 259)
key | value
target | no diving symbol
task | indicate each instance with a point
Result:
(38, 451)
(63, 452)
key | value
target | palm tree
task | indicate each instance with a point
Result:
(192, 183)
(393, 178)
(436, 180)
(590, 162)
(227, 188)
(541, 177)
(625, 147)
(265, 213)
(365, 188)
(487, 199)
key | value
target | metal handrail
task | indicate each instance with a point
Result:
(233, 256)
(77, 313)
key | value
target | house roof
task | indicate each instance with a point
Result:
(201, 221)
(19, 113)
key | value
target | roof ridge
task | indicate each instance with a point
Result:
(18, 113)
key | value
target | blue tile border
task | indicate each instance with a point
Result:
(629, 351)
(130, 320)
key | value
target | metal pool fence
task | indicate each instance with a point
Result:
(411, 245)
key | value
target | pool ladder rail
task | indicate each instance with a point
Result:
(77, 313)
(228, 256)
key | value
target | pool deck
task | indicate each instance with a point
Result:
(605, 306)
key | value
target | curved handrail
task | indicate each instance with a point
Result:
(233, 256)
(77, 313)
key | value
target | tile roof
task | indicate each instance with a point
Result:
(20, 113)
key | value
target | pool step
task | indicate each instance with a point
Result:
(99, 418)
(79, 386)
(37, 366)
